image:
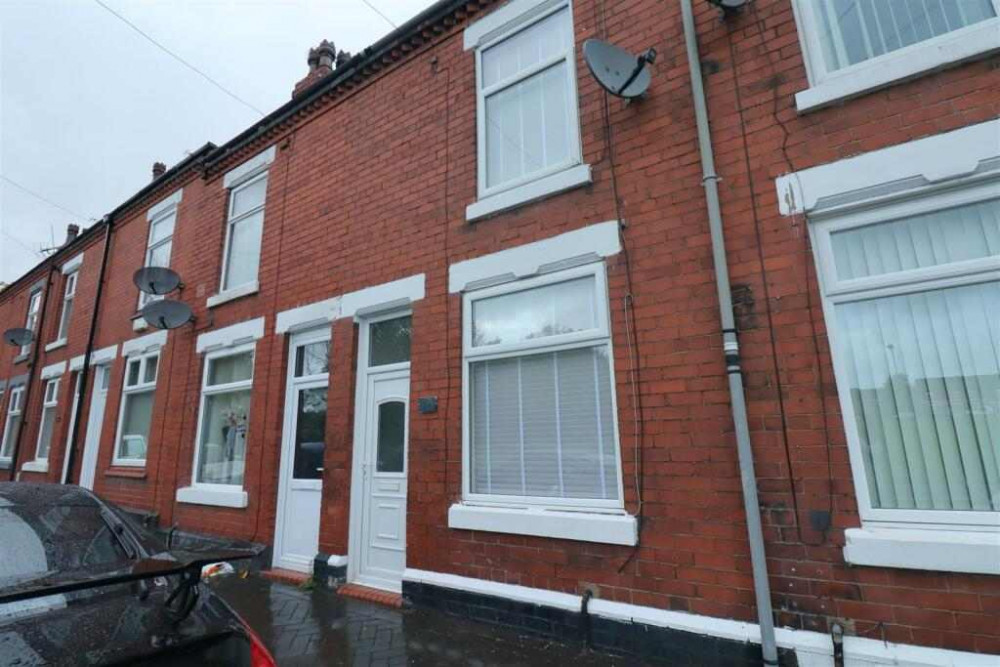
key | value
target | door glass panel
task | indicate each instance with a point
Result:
(391, 436)
(312, 359)
(390, 341)
(310, 431)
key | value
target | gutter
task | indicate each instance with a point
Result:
(731, 346)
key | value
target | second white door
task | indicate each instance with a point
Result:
(95, 424)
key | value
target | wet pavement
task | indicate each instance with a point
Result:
(318, 627)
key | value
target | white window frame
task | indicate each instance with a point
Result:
(498, 27)
(229, 292)
(31, 321)
(827, 87)
(601, 335)
(50, 401)
(15, 408)
(69, 294)
(207, 391)
(835, 291)
(154, 218)
(141, 387)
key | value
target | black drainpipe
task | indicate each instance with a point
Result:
(35, 345)
(85, 371)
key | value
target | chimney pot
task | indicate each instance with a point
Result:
(72, 231)
(158, 169)
(321, 60)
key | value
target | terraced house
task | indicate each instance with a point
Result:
(714, 371)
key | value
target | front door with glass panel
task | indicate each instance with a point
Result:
(95, 423)
(378, 510)
(300, 487)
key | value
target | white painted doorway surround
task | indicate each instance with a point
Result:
(300, 481)
(379, 473)
(95, 424)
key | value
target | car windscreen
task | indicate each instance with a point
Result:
(46, 539)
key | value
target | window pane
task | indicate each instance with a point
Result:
(137, 415)
(104, 375)
(248, 197)
(9, 435)
(67, 315)
(527, 126)
(924, 378)
(390, 341)
(133, 373)
(160, 255)
(852, 31)
(551, 310)
(310, 434)
(45, 435)
(527, 48)
(542, 425)
(391, 437)
(234, 368)
(222, 450)
(312, 358)
(244, 251)
(919, 242)
(161, 228)
(150, 374)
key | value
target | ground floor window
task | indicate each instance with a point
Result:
(13, 422)
(225, 415)
(48, 421)
(137, 410)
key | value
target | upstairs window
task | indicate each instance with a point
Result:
(243, 233)
(34, 310)
(13, 422)
(161, 241)
(137, 410)
(69, 293)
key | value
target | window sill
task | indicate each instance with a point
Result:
(978, 40)
(544, 187)
(230, 295)
(55, 345)
(585, 527)
(35, 466)
(127, 470)
(21, 357)
(200, 496)
(5, 464)
(924, 549)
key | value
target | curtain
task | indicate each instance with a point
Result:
(852, 31)
(542, 426)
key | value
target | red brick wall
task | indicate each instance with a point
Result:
(373, 187)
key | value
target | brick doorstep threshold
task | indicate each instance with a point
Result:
(285, 576)
(358, 592)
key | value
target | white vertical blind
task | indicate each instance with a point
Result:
(542, 425)
(924, 376)
(852, 31)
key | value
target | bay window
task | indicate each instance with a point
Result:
(225, 413)
(131, 443)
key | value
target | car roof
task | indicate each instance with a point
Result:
(27, 494)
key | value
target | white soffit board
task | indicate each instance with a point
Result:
(572, 248)
(969, 151)
(166, 204)
(307, 316)
(144, 343)
(236, 334)
(104, 355)
(384, 297)
(53, 370)
(248, 169)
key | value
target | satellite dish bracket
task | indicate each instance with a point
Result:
(648, 56)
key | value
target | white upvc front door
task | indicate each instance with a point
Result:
(379, 477)
(95, 423)
(300, 482)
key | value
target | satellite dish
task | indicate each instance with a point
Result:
(167, 314)
(18, 336)
(729, 7)
(618, 71)
(157, 280)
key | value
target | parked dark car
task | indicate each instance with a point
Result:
(82, 583)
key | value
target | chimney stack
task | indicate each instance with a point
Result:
(322, 60)
(158, 169)
(72, 231)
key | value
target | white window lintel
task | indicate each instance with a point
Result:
(53, 370)
(103, 355)
(198, 495)
(231, 336)
(305, 317)
(610, 528)
(503, 19)
(249, 169)
(72, 265)
(165, 205)
(382, 298)
(142, 344)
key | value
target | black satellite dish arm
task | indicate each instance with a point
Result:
(648, 57)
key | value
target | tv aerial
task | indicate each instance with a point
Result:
(18, 336)
(156, 280)
(166, 314)
(618, 71)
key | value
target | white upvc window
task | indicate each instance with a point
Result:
(851, 46)
(34, 310)
(159, 245)
(528, 129)
(220, 453)
(48, 422)
(911, 293)
(132, 439)
(69, 294)
(13, 423)
(243, 234)
(540, 419)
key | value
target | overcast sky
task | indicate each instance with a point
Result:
(87, 104)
